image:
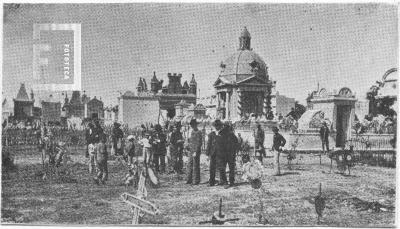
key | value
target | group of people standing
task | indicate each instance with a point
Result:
(222, 147)
(154, 143)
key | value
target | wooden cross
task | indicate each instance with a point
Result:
(138, 202)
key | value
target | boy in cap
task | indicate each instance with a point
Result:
(278, 142)
(193, 147)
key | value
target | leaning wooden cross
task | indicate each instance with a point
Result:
(138, 202)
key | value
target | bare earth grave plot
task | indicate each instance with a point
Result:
(354, 200)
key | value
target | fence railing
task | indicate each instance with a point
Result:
(12, 137)
(372, 141)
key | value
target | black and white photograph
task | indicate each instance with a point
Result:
(199, 114)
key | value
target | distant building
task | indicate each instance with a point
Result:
(82, 107)
(75, 106)
(281, 104)
(94, 109)
(181, 109)
(23, 105)
(51, 110)
(197, 111)
(7, 111)
(337, 107)
(160, 100)
(210, 103)
(110, 115)
(137, 110)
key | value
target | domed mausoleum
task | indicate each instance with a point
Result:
(243, 86)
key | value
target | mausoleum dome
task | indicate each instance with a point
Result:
(244, 63)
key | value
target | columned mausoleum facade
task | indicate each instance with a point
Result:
(243, 86)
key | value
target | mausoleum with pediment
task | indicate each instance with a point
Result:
(243, 86)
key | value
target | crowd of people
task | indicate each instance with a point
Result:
(163, 148)
(222, 146)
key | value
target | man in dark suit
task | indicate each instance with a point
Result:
(226, 147)
(278, 142)
(211, 153)
(324, 135)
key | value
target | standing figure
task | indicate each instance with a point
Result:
(89, 137)
(117, 136)
(160, 149)
(98, 132)
(226, 147)
(278, 142)
(193, 146)
(259, 142)
(102, 158)
(175, 148)
(146, 143)
(92, 157)
(324, 135)
(211, 153)
(96, 138)
(143, 130)
(130, 149)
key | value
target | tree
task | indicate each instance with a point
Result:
(379, 106)
(299, 109)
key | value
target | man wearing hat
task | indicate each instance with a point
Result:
(324, 135)
(117, 136)
(175, 147)
(193, 146)
(278, 142)
(160, 150)
(227, 146)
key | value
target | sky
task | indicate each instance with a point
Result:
(335, 45)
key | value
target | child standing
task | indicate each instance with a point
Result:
(92, 157)
(146, 143)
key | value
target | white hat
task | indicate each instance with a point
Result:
(130, 137)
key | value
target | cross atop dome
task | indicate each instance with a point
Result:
(244, 40)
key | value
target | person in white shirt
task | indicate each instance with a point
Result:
(146, 143)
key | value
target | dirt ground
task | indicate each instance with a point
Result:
(287, 200)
